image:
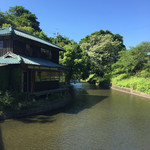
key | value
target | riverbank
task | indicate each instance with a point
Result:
(45, 106)
(132, 85)
(130, 91)
(135, 82)
(27, 105)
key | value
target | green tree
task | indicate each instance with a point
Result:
(103, 51)
(22, 17)
(2, 19)
(73, 59)
(27, 29)
(102, 32)
(133, 60)
(43, 36)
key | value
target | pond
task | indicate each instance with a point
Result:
(98, 119)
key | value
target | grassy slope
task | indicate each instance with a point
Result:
(136, 83)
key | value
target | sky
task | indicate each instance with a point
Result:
(77, 18)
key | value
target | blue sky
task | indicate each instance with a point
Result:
(77, 18)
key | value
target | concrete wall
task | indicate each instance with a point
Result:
(130, 91)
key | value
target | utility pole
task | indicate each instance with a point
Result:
(56, 34)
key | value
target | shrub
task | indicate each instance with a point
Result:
(6, 100)
(145, 73)
(10, 101)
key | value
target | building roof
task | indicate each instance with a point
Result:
(11, 58)
(11, 30)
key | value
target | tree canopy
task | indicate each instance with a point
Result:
(21, 17)
(134, 59)
(103, 49)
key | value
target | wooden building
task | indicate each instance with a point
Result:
(28, 63)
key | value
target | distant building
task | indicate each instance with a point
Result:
(28, 63)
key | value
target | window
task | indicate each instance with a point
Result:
(62, 77)
(46, 76)
(38, 76)
(1, 44)
(47, 53)
(27, 47)
(28, 50)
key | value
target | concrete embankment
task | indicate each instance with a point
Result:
(130, 91)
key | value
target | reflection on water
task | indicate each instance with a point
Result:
(82, 99)
(97, 119)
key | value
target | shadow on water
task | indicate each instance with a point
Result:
(37, 119)
(1, 140)
(83, 101)
(80, 100)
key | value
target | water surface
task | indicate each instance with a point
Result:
(98, 119)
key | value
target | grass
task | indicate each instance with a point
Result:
(134, 82)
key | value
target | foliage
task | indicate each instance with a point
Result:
(90, 78)
(4, 19)
(136, 83)
(95, 55)
(103, 82)
(103, 51)
(27, 29)
(14, 101)
(102, 32)
(132, 70)
(62, 41)
(6, 100)
(72, 58)
(43, 36)
(133, 60)
(144, 73)
(22, 19)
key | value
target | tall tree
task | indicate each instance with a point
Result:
(103, 48)
(72, 58)
(23, 17)
(2, 19)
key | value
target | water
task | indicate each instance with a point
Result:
(98, 119)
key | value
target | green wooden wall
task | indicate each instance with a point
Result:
(4, 75)
(10, 77)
